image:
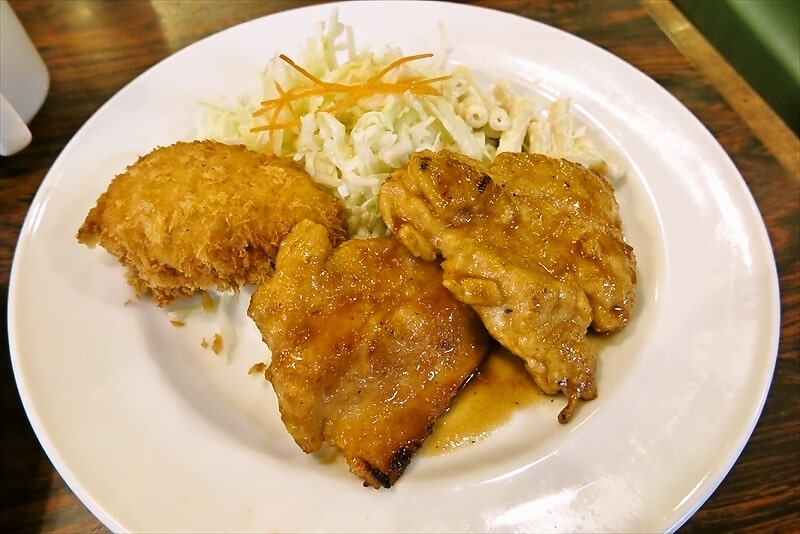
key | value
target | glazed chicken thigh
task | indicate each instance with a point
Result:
(533, 244)
(368, 347)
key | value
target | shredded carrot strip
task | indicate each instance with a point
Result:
(354, 92)
(396, 63)
(303, 71)
(291, 109)
(395, 88)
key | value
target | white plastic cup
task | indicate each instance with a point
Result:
(24, 82)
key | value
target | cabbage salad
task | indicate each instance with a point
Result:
(351, 118)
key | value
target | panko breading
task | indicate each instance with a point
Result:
(368, 347)
(533, 243)
(204, 215)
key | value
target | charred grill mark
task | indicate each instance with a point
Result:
(423, 163)
(401, 458)
(483, 182)
(382, 478)
(397, 464)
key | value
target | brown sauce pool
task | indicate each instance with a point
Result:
(499, 388)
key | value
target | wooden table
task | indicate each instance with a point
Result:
(93, 48)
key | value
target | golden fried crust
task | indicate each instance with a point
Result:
(534, 244)
(368, 347)
(198, 215)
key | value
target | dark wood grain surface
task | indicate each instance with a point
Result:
(93, 48)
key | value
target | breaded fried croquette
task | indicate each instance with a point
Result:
(204, 215)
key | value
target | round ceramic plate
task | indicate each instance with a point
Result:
(156, 433)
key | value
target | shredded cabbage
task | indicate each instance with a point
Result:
(351, 150)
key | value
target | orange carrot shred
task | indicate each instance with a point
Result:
(354, 92)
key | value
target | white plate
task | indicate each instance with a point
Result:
(155, 433)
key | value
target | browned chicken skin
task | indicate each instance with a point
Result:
(368, 347)
(534, 244)
(194, 216)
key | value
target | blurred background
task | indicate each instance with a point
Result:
(761, 40)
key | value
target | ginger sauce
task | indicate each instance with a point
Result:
(499, 388)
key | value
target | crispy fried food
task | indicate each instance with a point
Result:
(194, 216)
(535, 245)
(368, 347)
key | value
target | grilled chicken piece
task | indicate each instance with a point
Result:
(533, 244)
(368, 347)
(194, 216)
